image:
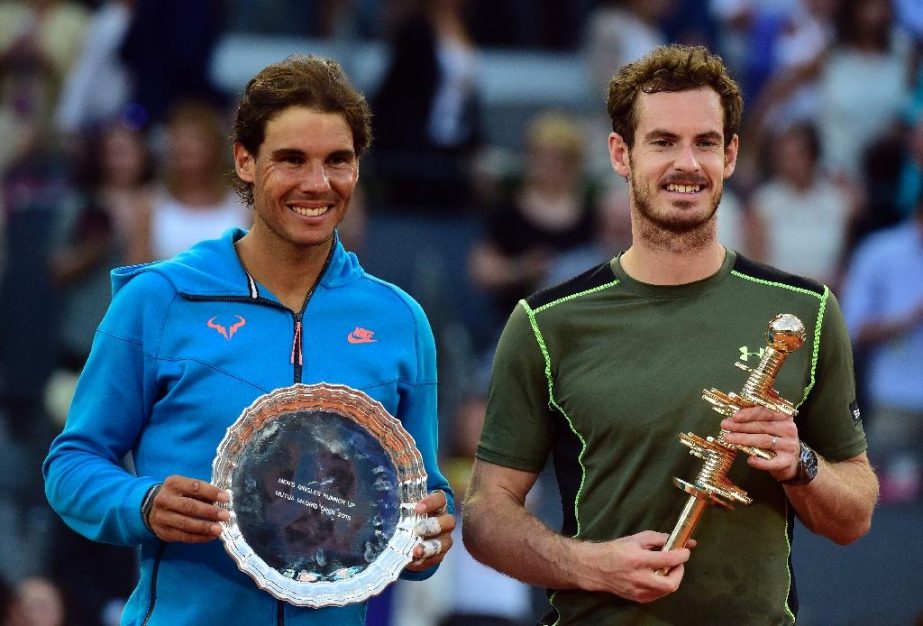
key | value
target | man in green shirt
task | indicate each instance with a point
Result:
(604, 371)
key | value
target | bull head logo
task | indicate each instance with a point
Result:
(227, 333)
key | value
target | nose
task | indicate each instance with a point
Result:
(315, 178)
(686, 160)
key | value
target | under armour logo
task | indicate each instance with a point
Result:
(856, 415)
(361, 335)
(744, 355)
(227, 333)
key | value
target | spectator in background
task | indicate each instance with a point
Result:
(527, 24)
(464, 592)
(37, 602)
(62, 245)
(168, 50)
(689, 24)
(801, 216)
(863, 84)
(98, 85)
(749, 33)
(790, 95)
(910, 184)
(612, 235)
(548, 211)
(194, 200)
(38, 196)
(426, 126)
(617, 33)
(104, 234)
(883, 305)
(39, 40)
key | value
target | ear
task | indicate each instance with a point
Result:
(730, 156)
(619, 155)
(244, 163)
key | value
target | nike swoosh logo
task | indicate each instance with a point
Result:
(360, 335)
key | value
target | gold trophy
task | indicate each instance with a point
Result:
(711, 485)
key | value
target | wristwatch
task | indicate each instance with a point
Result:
(148, 504)
(807, 467)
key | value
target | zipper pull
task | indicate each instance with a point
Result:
(296, 343)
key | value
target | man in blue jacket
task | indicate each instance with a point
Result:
(188, 343)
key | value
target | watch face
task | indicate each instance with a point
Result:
(808, 462)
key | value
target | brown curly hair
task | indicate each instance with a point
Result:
(671, 68)
(301, 80)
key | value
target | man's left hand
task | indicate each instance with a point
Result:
(758, 427)
(435, 530)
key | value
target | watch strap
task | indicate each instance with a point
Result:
(807, 466)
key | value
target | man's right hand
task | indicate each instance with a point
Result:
(626, 566)
(184, 510)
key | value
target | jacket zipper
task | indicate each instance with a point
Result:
(297, 359)
(150, 608)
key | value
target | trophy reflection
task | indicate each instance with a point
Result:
(711, 485)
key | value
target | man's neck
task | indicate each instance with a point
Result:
(289, 276)
(657, 266)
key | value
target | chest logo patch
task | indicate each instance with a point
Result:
(746, 354)
(361, 335)
(226, 331)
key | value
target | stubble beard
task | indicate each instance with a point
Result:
(675, 233)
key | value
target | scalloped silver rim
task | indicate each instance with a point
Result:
(383, 570)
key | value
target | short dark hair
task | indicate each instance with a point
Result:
(807, 132)
(671, 68)
(301, 80)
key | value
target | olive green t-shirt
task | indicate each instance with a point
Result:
(603, 373)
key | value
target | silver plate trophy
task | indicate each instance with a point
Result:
(323, 484)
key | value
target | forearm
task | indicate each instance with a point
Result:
(883, 330)
(501, 533)
(838, 503)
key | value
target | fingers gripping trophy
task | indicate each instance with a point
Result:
(712, 486)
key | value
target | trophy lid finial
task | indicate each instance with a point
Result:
(786, 333)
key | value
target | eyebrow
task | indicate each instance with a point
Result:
(659, 133)
(282, 153)
(342, 154)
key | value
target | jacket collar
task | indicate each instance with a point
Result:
(212, 269)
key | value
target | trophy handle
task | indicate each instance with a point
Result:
(687, 522)
(785, 335)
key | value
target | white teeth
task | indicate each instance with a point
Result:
(684, 188)
(306, 212)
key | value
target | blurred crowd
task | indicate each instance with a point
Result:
(114, 153)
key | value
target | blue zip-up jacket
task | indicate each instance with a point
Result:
(186, 345)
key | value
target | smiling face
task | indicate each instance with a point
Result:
(677, 166)
(303, 177)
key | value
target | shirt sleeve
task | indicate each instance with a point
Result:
(828, 420)
(419, 415)
(519, 426)
(85, 481)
